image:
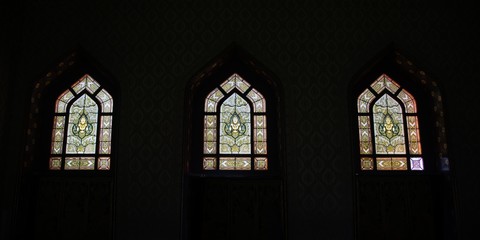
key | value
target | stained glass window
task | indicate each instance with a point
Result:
(82, 127)
(389, 137)
(235, 132)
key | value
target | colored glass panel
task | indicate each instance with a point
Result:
(79, 163)
(82, 126)
(257, 100)
(86, 82)
(235, 81)
(366, 163)
(408, 101)
(413, 135)
(57, 134)
(55, 163)
(106, 135)
(384, 82)
(416, 163)
(209, 163)
(261, 163)
(103, 163)
(260, 135)
(212, 100)
(391, 163)
(62, 101)
(364, 135)
(106, 101)
(210, 134)
(364, 101)
(388, 126)
(235, 126)
(235, 163)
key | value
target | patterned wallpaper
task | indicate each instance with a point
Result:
(153, 48)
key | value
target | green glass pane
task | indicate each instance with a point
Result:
(235, 126)
(388, 126)
(82, 126)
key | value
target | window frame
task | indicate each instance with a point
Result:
(390, 65)
(231, 61)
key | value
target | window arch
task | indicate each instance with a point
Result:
(402, 177)
(233, 148)
(389, 133)
(82, 127)
(235, 132)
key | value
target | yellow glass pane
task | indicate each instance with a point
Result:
(55, 163)
(103, 163)
(227, 163)
(366, 163)
(261, 163)
(364, 100)
(209, 163)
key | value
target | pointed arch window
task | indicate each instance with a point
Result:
(388, 126)
(82, 127)
(235, 133)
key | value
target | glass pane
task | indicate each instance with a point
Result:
(235, 125)
(413, 135)
(384, 82)
(242, 163)
(92, 85)
(364, 101)
(366, 163)
(57, 134)
(103, 163)
(399, 164)
(82, 126)
(416, 163)
(212, 100)
(87, 163)
(261, 163)
(388, 126)
(55, 163)
(106, 101)
(105, 135)
(408, 101)
(72, 163)
(391, 163)
(80, 85)
(62, 101)
(364, 135)
(227, 163)
(235, 81)
(209, 163)
(384, 163)
(257, 100)
(231, 163)
(210, 134)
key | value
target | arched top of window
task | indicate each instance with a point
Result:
(398, 118)
(233, 119)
